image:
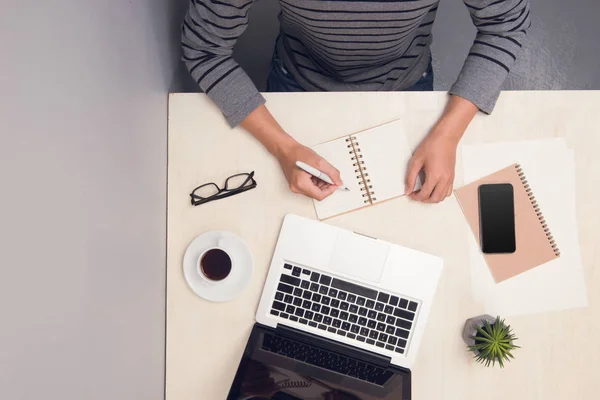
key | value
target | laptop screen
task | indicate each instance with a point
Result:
(280, 368)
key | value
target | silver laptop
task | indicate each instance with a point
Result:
(341, 316)
(349, 288)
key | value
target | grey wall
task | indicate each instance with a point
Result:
(83, 117)
(564, 52)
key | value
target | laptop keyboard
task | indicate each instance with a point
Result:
(325, 359)
(359, 313)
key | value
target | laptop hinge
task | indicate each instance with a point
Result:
(332, 345)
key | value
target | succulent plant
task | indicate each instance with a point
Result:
(493, 343)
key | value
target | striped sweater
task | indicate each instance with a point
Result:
(350, 45)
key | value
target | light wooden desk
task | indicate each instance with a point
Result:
(560, 351)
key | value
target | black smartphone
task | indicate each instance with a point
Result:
(497, 218)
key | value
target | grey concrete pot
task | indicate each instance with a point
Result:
(470, 327)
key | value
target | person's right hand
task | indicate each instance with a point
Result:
(302, 182)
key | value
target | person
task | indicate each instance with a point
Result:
(348, 45)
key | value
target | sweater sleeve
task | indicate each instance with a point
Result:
(501, 32)
(209, 32)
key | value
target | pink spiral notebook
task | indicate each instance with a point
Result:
(535, 244)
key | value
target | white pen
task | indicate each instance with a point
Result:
(318, 174)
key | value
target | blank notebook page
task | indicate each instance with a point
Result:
(337, 153)
(386, 154)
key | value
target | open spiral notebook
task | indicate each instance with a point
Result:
(373, 165)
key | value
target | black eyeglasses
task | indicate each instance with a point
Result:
(235, 184)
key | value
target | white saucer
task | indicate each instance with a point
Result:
(241, 272)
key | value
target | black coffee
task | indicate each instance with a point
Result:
(216, 264)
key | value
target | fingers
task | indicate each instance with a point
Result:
(442, 188)
(414, 167)
(319, 183)
(426, 190)
(315, 192)
(304, 184)
(323, 185)
(438, 194)
(330, 170)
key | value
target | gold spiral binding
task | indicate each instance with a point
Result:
(361, 171)
(536, 209)
(294, 384)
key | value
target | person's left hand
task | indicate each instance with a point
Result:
(437, 156)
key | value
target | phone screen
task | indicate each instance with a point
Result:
(497, 218)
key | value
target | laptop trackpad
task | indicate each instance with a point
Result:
(361, 257)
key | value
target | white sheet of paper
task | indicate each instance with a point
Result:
(559, 284)
(483, 160)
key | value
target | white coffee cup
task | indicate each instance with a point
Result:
(214, 264)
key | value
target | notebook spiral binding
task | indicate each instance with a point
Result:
(536, 208)
(294, 384)
(361, 170)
